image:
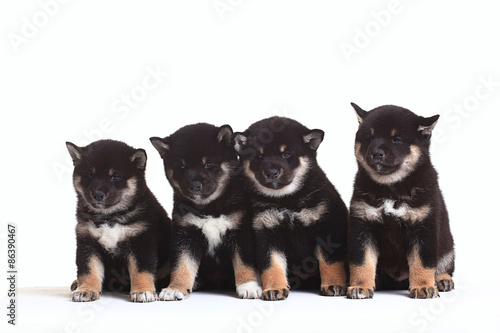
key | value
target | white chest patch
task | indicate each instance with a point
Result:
(273, 217)
(109, 236)
(375, 214)
(214, 228)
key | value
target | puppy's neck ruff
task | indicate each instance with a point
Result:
(298, 180)
(406, 168)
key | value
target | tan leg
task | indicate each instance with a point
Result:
(90, 285)
(245, 278)
(181, 279)
(333, 276)
(142, 284)
(422, 279)
(274, 280)
(363, 277)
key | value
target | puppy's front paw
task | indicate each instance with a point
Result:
(359, 292)
(333, 290)
(444, 282)
(170, 294)
(275, 295)
(424, 292)
(143, 296)
(249, 289)
(85, 295)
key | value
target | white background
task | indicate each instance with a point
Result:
(64, 77)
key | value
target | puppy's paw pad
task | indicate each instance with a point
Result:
(249, 289)
(85, 295)
(275, 294)
(445, 284)
(424, 292)
(143, 296)
(356, 292)
(333, 290)
(169, 294)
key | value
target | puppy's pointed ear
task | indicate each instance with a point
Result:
(162, 145)
(139, 158)
(360, 113)
(225, 134)
(314, 138)
(240, 142)
(426, 125)
(75, 152)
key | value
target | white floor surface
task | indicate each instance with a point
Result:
(469, 308)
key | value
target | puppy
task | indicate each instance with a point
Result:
(212, 236)
(299, 219)
(398, 225)
(121, 226)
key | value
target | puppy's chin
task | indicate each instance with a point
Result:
(103, 205)
(99, 205)
(198, 197)
(207, 197)
(383, 169)
(274, 185)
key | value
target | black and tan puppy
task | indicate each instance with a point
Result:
(399, 234)
(212, 237)
(298, 216)
(121, 226)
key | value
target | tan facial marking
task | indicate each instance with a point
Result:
(204, 160)
(298, 179)
(331, 273)
(261, 151)
(282, 148)
(275, 276)
(394, 132)
(140, 281)
(111, 172)
(406, 167)
(372, 131)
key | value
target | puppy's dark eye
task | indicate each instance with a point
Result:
(91, 175)
(370, 139)
(286, 155)
(208, 165)
(115, 178)
(259, 156)
(396, 140)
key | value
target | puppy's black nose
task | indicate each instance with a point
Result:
(195, 187)
(98, 195)
(272, 174)
(378, 155)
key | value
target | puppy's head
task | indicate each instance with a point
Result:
(107, 174)
(391, 142)
(277, 154)
(198, 160)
